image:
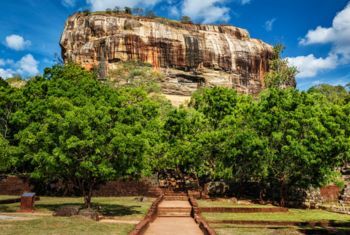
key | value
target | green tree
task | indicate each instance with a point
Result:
(280, 74)
(186, 20)
(215, 103)
(306, 140)
(335, 94)
(5, 154)
(181, 146)
(81, 131)
(128, 10)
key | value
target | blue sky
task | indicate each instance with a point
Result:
(316, 33)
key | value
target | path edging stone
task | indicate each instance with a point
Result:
(242, 209)
(203, 225)
(322, 223)
(142, 226)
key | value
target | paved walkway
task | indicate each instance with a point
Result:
(168, 224)
(171, 204)
(174, 226)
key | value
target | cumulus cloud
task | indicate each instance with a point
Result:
(269, 24)
(310, 66)
(337, 36)
(16, 42)
(207, 11)
(28, 65)
(6, 73)
(101, 5)
(68, 3)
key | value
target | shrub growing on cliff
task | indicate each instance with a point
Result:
(186, 20)
(281, 75)
(135, 74)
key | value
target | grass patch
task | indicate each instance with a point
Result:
(58, 225)
(254, 230)
(227, 229)
(120, 207)
(228, 203)
(6, 197)
(294, 215)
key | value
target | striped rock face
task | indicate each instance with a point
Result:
(190, 55)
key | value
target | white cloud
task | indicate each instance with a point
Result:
(68, 3)
(310, 66)
(6, 73)
(28, 65)
(338, 35)
(6, 62)
(101, 5)
(17, 42)
(319, 35)
(269, 24)
(207, 11)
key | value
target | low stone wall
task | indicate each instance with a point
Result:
(127, 188)
(13, 185)
(203, 225)
(322, 223)
(142, 226)
(242, 210)
(330, 193)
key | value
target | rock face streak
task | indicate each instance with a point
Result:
(189, 55)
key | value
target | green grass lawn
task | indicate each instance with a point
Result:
(294, 215)
(228, 203)
(119, 207)
(5, 197)
(62, 226)
(226, 229)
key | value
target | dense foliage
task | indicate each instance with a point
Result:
(69, 127)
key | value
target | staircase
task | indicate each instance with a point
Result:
(174, 217)
(174, 205)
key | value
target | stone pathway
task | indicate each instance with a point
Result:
(174, 218)
(174, 226)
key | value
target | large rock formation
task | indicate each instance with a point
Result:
(190, 55)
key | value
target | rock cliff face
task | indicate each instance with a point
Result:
(189, 55)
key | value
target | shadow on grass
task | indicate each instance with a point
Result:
(104, 209)
(307, 230)
(7, 208)
(325, 231)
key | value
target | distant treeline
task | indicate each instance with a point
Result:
(137, 11)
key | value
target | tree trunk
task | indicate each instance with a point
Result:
(88, 196)
(282, 193)
(87, 201)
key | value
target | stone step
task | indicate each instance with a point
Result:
(154, 191)
(175, 198)
(176, 212)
